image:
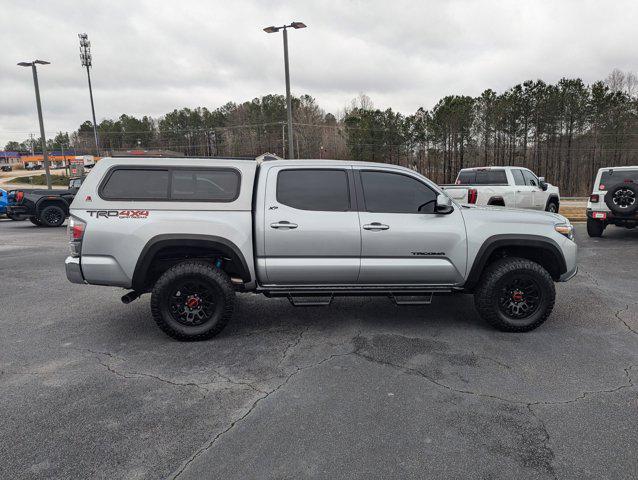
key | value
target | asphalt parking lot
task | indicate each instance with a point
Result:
(91, 388)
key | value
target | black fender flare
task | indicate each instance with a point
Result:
(553, 198)
(158, 242)
(497, 201)
(513, 240)
(51, 200)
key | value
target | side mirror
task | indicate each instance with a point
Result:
(443, 204)
(543, 183)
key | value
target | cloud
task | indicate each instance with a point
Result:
(153, 56)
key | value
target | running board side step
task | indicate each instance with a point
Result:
(314, 296)
(410, 299)
(322, 300)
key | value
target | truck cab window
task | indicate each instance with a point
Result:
(519, 179)
(314, 189)
(386, 192)
(530, 178)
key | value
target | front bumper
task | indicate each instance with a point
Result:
(73, 270)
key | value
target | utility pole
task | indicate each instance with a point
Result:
(45, 156)
(87, 61)
(295, 25)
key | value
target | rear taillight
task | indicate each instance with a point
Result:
(472, 195)
(76, 234)
(19, 195)
(594, 198)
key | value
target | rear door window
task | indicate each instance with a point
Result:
(136, 184)
(314, 189)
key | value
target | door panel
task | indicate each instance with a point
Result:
(403, 242)
(524, 196)
(309, 246)
(415, 249)
(536, 193)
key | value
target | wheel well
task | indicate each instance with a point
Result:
(552, 199)
(537, 249)
(48, 202)
(497, 201)
(543, 256)
(161, 255)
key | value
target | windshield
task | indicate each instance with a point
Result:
(612, 177)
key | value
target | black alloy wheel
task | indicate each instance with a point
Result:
(193, 302)
(519, 297)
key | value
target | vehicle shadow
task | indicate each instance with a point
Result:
(254, 314)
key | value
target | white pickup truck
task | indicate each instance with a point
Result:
(514, 187)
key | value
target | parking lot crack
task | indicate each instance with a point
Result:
(237, 382)
(546, 442)
(135, 375)
(208, 445)
(292, 345)
(628, 384)
(617, 315)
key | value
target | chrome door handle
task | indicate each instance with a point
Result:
(284, 225)
(375, 226)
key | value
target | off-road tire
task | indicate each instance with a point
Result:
(493, 279)
(199, 271)
(552, 206)
(52, 216)
(35, 221)
(595, 228)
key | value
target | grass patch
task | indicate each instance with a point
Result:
(58, 180)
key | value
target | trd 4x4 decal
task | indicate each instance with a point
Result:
(118, 213)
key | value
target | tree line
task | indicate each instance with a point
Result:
(563, 131)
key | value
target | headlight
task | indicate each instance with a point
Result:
(565, 229)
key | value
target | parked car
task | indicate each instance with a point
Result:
(6, 168)
(45, 208)
(614, 200)
(513, 187)
(193, 231)
(33, 166)
(7, 199)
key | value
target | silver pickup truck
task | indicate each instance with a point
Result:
(195, 231)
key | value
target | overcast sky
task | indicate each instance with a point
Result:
(150, 57)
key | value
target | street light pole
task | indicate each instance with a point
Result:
(87, 61)
(295, 25)
(45, 155)
(288, 99)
